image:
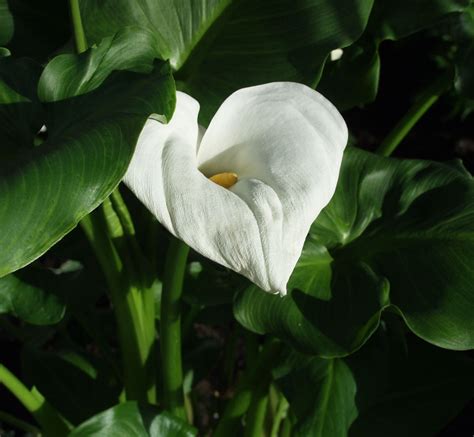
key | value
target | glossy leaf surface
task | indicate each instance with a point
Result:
(131, 420)
(93, 119)
(219, 46)
(396, 233)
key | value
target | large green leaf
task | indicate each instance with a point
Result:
(322, 394)
(387, 388)
(37, 295)
(220, 45)
(353, 80)
(6, 23)
(131, 420)
(93, 119)
(397, 233)
(412, 390)
(394, 19)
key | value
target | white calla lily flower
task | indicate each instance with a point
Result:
(244, 192)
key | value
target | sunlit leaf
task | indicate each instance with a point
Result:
(396, 233)
(130, 419)
(46, 189)
(218, 46)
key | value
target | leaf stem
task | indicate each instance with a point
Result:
(425, 101)
(170, 327)
(79, 35)
(135, 323)
(19, 424)
(281, 414)
(257, 411)
(240, 403)
(49, 419)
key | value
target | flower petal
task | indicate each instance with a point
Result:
(284, 140)
(212, 220)
(290, 139)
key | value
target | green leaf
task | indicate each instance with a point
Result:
(131, 420)
(398, 233)
(395, 19)
(71, 382)
(6, 23)
(219, 46)
(388, 388)
(45, 190)
(34, 295)
(322, 394)
(413, 392)
(354, 79)
(464, 60)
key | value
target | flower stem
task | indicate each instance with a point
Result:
(281, 414)
(131, 293)
(257, 411)
(135, 318)
(255, 375)
(425, 101)
(79, 35)
(49, 419)
(170, 327)
(19, 424)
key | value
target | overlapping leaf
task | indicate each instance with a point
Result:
(353, 80)
(130, 419)
(388, 388)
(93, 118)
(397, 233)
(219, 46)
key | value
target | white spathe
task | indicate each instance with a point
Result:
(285, 142)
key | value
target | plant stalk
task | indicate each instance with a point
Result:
(255, 375)
(78, 29)
(425, 101)
(257, 411)
(170, 327)
(135, 323)
(19, 424)
(49, 419)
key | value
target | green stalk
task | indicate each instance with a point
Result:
(49, 419)
(240, 403)
(280, 415)
(19, 424)
(286, 427)
(257, 411)
(417, 110)
(132, 297)
(135, 324)
(79, 35)
(170, 327)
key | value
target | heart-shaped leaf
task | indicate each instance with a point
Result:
(396, 233)
(387, 388)
(220, 46)
(93, 118)
(130, 419)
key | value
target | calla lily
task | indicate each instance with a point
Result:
(245, 191)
